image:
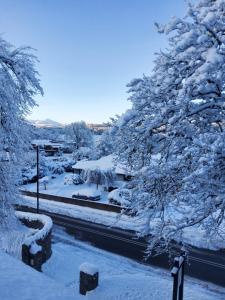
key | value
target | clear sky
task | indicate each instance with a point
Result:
(88, 50)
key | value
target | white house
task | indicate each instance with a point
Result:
(104, 163)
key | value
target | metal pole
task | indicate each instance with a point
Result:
(37, 179)
(175, 273)
(178, 276)
(181, 292)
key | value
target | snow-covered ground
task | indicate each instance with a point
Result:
(120, 278)
(20, 282)
(57, 187)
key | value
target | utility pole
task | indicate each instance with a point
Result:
(37, 148)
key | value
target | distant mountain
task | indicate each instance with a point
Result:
(48, 123)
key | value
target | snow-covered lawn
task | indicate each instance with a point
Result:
(120, 278)
(57, 187)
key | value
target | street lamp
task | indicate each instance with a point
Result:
(37, 149)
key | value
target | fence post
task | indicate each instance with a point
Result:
(177, 273)
(88, 278)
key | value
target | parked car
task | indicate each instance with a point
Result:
(87, 194)
(120, 197)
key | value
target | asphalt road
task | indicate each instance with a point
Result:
(203, 264)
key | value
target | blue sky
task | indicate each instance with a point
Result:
(88, 50)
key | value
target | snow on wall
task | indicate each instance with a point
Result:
(39, 234)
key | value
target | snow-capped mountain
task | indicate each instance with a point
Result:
(46, 123)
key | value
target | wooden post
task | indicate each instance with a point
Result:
(89, 277)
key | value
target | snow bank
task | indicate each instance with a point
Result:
(38, 234)
(88, 268)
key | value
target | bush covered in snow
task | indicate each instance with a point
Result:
(44, 180)
(73, 179)
(47, 166)
(120, 197)
(29, 170)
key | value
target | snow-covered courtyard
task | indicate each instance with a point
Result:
(120, 278)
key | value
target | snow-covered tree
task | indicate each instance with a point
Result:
(83, 153)
(79, 135)
(105, 145)
(97, 176)
(19, 83)
(29, 165)
(173, 137)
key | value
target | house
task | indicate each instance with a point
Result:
(104, 163)
(49, 147)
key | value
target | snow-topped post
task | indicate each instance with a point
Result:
(88, 278)
(177, 273)
(32, 255)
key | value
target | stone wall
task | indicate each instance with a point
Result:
(36, 259)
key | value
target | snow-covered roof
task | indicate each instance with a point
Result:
(104, 163)
(45, 143)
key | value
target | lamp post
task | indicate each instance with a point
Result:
(37, 148)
